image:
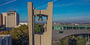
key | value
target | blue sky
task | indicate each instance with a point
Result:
(63, 11)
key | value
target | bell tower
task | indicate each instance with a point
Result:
(46, 37)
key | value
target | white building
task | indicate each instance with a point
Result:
(23, 23)
(5, 40)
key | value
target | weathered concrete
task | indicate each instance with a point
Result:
(46, 37)
(37, 39)
(30, 23)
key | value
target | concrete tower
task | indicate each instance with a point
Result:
(46, 37)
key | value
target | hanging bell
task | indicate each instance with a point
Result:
(40, 18)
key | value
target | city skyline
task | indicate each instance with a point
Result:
(64, 10)
(44, 22)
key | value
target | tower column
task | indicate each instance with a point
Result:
(30, 23)
(49, 23)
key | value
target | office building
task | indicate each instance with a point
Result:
(10, 19)
(5, 40)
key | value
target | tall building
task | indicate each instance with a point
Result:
(1, 20)
(5, 40)
(4, 18)
(10, 19)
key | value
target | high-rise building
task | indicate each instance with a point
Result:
(12, 19)
(1, 20)
(5, 40)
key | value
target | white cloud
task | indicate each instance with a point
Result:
(7, 2)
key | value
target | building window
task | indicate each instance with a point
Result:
(8, 40)
(3, 42)
(60, 32)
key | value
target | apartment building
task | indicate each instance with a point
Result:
(5, 40)
(10, 19)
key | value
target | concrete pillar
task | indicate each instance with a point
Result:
(37, 39)
(30, 23)
(46, 37)
(49, 23)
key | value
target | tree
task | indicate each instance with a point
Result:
(72, 41)
(20, 35)
(38, 28)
